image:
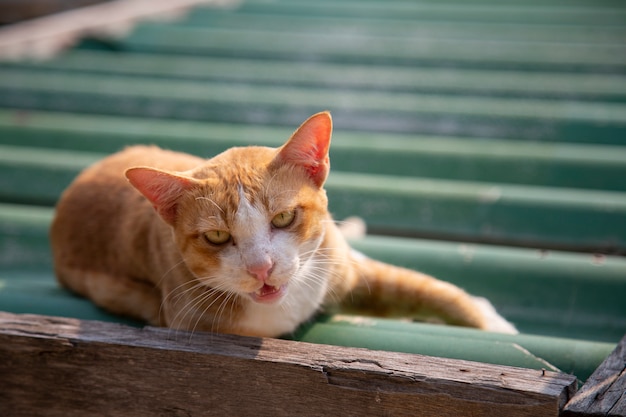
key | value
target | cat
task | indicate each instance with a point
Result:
(241, 243)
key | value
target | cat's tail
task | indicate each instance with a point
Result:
(385, 290)
(495, 322)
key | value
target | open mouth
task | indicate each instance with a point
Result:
(268, 293)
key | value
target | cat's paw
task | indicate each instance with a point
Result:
(352, 228)
(495, 322)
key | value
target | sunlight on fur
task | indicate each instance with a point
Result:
(240, 243)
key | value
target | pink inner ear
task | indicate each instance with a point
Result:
(162, 189)
(308, 147)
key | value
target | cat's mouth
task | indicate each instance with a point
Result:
(269, 294)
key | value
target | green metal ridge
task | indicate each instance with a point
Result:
(212, 92)
(546, 164)
(455, 80)
(541, 216)
(578, 357)
(412, 29)
(536, 119)
(542, 292)
(327, 47)
(545, 13)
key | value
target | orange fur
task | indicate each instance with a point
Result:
(240, 243)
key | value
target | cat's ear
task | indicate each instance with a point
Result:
(308, 147)
(163, 189)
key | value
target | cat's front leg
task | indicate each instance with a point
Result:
(115, 293)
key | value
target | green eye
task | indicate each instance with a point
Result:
(284, 219)
(217, 237)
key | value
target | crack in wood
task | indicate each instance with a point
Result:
(604, 393)
(104, 369)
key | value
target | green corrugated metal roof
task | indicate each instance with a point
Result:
(486, 140)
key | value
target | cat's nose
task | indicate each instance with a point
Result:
(261, 270)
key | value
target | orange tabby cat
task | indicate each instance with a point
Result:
(240, 243)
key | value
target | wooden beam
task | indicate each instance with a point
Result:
(44, 36)
(65, 367)
(12, 11)
(604, 394)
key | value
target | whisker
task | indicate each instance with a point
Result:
(202, 315)
(176, 265)
(220, 310)
(205, 294)
(170, 295)
(210, 200)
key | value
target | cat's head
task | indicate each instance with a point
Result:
(249, 220)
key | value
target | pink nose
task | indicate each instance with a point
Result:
(262, 270)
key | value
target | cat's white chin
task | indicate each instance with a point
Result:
(269, 294)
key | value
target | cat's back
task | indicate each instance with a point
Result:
(114, 166)
(105, 181)
(100, 205)
(110, 170)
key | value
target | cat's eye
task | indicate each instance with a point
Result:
(284, 219)
(217, 237)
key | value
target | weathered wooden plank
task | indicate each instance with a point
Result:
(573, 356)
(604, 394)
(103, 369)
(12, 11)
(44, 36)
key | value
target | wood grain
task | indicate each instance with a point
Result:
(604, 393)
(66, 367)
